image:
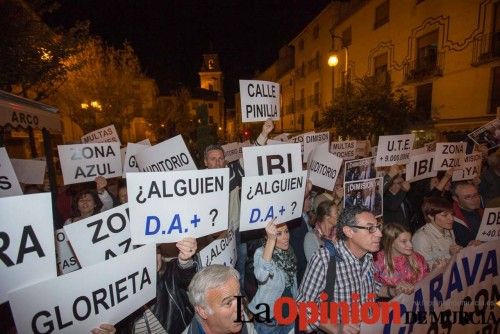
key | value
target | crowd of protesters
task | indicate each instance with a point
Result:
(329, 249)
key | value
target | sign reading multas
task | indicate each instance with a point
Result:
(260, 100)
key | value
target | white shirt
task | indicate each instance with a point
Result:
(432, 243)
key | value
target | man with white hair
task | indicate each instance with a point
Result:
(213, 293)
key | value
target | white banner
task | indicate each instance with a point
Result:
(29, 171)
(272, 159)
(129, 162)
(311, 140)
(220, 251)
(344, 149)
(260, 100)
(458, 298)
(107, 134)
(27, 242)
(171, 154)
(324, 167)
(471, 168)
(166, 207)
(84, 162)
(9, 185)
(394, 150)
(66, 258)
(100, 237)
(82, 300)
(448, 155)
(369, 193)
(264, 198)
(232, 151)
(360, 169)
(490, 225)
(420, 167)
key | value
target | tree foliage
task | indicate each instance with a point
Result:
(31, 54)
(368, 108)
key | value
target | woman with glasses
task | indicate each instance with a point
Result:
(436, 240)
(397, 265)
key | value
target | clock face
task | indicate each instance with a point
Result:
(211, 64)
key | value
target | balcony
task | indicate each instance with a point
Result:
(486, 48)
(424, 68)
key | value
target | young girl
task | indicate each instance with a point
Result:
(397, 264)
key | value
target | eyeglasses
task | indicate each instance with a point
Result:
(472, 196)
(372, 228)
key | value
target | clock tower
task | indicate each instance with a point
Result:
(211, 77)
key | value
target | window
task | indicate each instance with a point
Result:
(495, 91)
(302, 99)
(301, 45)
(210, 105)
(347, 37)
(316, 93)
(381, 14)
(423, 102)
(210, 119)
(316, 32)
(427, 46)
(380, 68)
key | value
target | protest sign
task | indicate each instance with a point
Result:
(368, 193)
(488, 134)
(84, 162)
(274, 142)
(82, 300)
(344, 149)
(448, 155)
(273, 159)
(29, 171)
(9, 185)
(260, 100)
(171, 154)
(394, 150)
(232, 151)
(264, 198)
(420, 167)
(324, 167)
(418, 151)
(300, 139)
(220, 251)
(66, 258)
(27, 242)
(311, 140)
(130, 163)
(100, 237)
(490, 225)
(471, 168)
(457, 298)
(107, 134)
(360, 169)
(166, 207)
(431, 146)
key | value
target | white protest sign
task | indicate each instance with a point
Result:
(368, 193)
(130, 163)
(324, 167)
(171, 154)
(299, 139)
(360, 169)
(449, 155)
(274, 142)
(29, 171)
(66, 258)
(272, 159)
(264, 198)
(100, 237)
(471, 168)
(232, 151)
(260, 100)
(457, 298)
(344, 149)
(27, 239)
(84, 162)
(220, 251)
(490, 225)
(77, 302)
(431, 146)
(418, 151)
(394, 150)
(107, 134)
(311, 140)
(9, 185)
(166, 207)
(420, 167)
(246, 143)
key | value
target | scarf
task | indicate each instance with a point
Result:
(286, 261)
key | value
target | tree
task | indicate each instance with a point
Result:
(367, 109)
(104, 89)
(31, 53)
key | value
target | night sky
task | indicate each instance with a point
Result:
(170, 37)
